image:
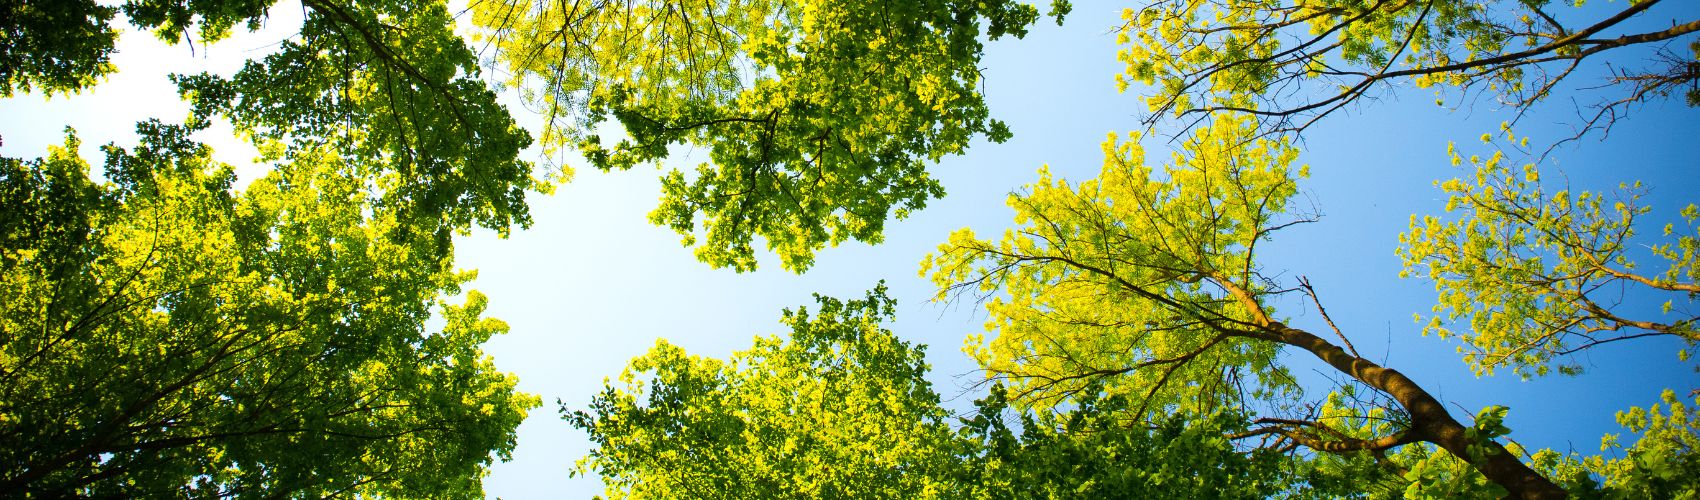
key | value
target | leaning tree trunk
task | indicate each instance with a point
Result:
(1429, 420)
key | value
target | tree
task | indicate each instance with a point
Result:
(1147, 284)
(1528, 269)
(841, 408)
(1527, 273)
(1292, 63)
(166, 335)
(54, 47)
(430, 132)
(1539, 274)
(818, 117)
(1093, 451)
(173, 337)
(385, 83)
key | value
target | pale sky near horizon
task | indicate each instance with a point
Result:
(592, 284)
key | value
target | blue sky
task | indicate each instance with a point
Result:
(592, 284)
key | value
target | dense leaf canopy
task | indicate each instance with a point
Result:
(1114, 278)
(386, 81)
(1092, 451)
(166, 335)
(54, 47)
(819, 117)
(840, 408)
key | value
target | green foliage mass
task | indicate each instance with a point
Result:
(168, 335)
(54, 47)
(840, 408)
(1110, 283)
(385, 81)
(165, 335)
(1093, 451)
(1662, 463)
(1535, 273)
(819, 117)
(388, 85)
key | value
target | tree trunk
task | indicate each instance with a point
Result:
(1429, 420)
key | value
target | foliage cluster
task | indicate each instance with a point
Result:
(168, 335)
(819, 118)
(840, 408)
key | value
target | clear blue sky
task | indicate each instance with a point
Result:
(592, 284)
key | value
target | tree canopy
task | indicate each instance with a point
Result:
(385, 81)
(1148, 284)
(167, 335)
(1538, 274)
(173, 336)
(819, 117)
(54, 47)
(386, 84)
(840, 408)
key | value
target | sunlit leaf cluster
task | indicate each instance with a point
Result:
(818, 118)
(838, 408)
(385, 81)
(389, 83)
(1529, 271)
(1117, 277)
(168, 335)
(1660, 464)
